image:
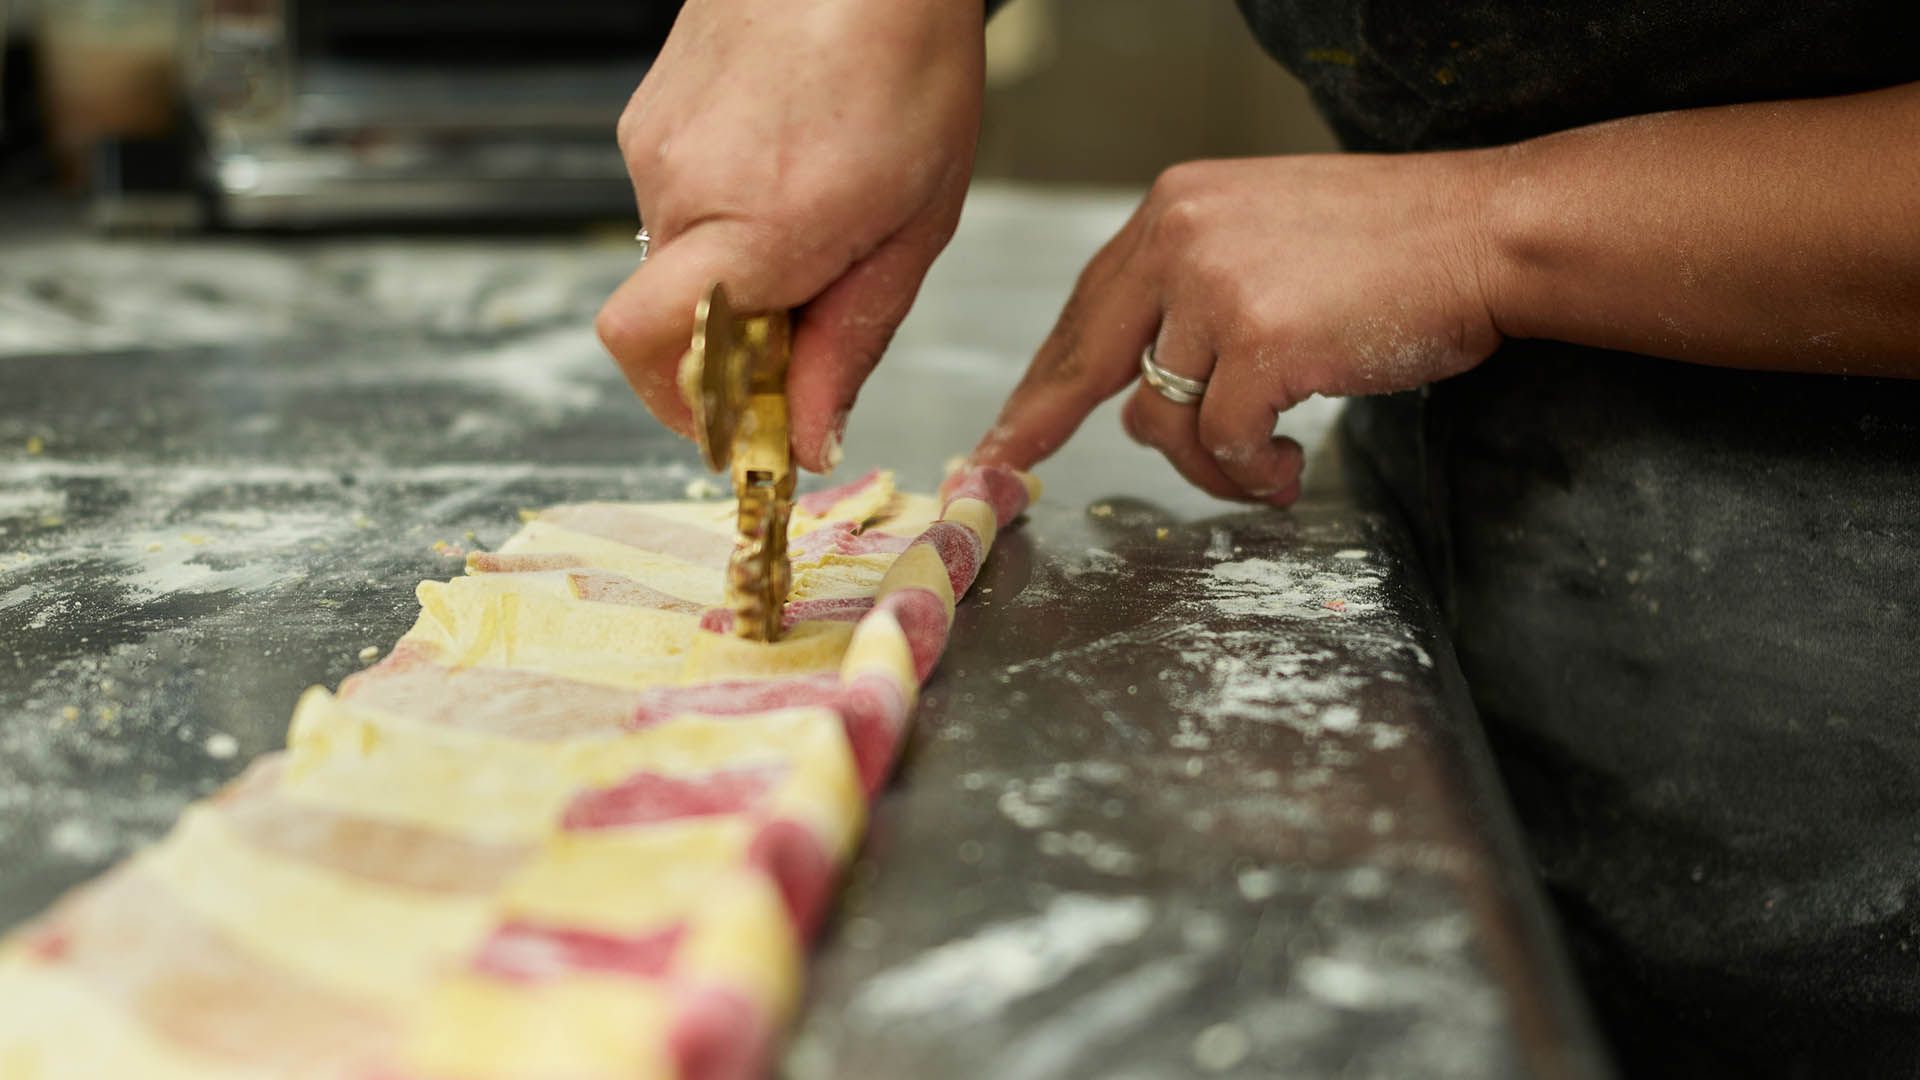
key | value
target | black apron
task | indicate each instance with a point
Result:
(1687, 599)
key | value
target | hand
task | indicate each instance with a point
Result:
(1274, 279)
(811, 156)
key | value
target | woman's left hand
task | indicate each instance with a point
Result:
(1273, 279)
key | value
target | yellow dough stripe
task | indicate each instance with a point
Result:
(976, 515)
(477, 1028)
(879, 648)
(55, 1026)
(332, 931)
(919, 567)
(503, 789)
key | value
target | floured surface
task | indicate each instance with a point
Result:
(565, 829)
(448, 413)
(1192, 805)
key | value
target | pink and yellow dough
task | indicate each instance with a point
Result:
(568, 828)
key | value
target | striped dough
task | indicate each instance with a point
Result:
(567, 828)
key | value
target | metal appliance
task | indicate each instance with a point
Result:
(329, 112)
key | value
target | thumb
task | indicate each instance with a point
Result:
(840, 338)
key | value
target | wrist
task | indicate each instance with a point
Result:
(1514, 236)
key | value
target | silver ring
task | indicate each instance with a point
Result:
(646, 243)
(1175, 388)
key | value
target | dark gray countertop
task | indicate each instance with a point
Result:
(1195, 791)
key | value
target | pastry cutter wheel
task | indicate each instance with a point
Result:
(734, 378)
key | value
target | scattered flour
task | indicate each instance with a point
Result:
(80, 839)
(60, 295)
(32, 503)
(977, 977)
(1294, 590)
(1140, 997)
(239, 550)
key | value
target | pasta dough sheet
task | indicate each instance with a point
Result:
(567, 828)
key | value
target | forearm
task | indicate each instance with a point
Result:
(1783, 235)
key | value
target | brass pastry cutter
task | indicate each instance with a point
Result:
(734, 378)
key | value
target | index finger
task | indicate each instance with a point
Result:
(1089, 357)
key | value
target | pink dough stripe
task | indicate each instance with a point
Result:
(523, 951)
(648, 532)
(502, 701)
(734, 697)
(873, 710)
(844, 538)
(793, 856)
(819, 502)
(924, 620)
(998, 487)
(647, 798)
(959, 549)
(606, 587)
(835, 609)
(720, 1035)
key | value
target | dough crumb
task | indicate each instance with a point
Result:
(222, 745)
(701, 488)
(831, 452)
(1221, 1047)
(1101, 510)
(369, 653)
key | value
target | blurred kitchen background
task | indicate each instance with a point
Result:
(164, 115)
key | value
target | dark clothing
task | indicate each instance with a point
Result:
(1687, 599)
(1689, 609)
(1419, 75)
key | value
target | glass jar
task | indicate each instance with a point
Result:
(108, 68)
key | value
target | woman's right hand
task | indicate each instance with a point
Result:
(809, 155)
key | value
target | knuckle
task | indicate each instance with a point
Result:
(1177, 182)
(615, 331)
(1263, 317)
(1236, 457)
(1217, 434)
(629, 132)
(1179, 202)
(1179, 222)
